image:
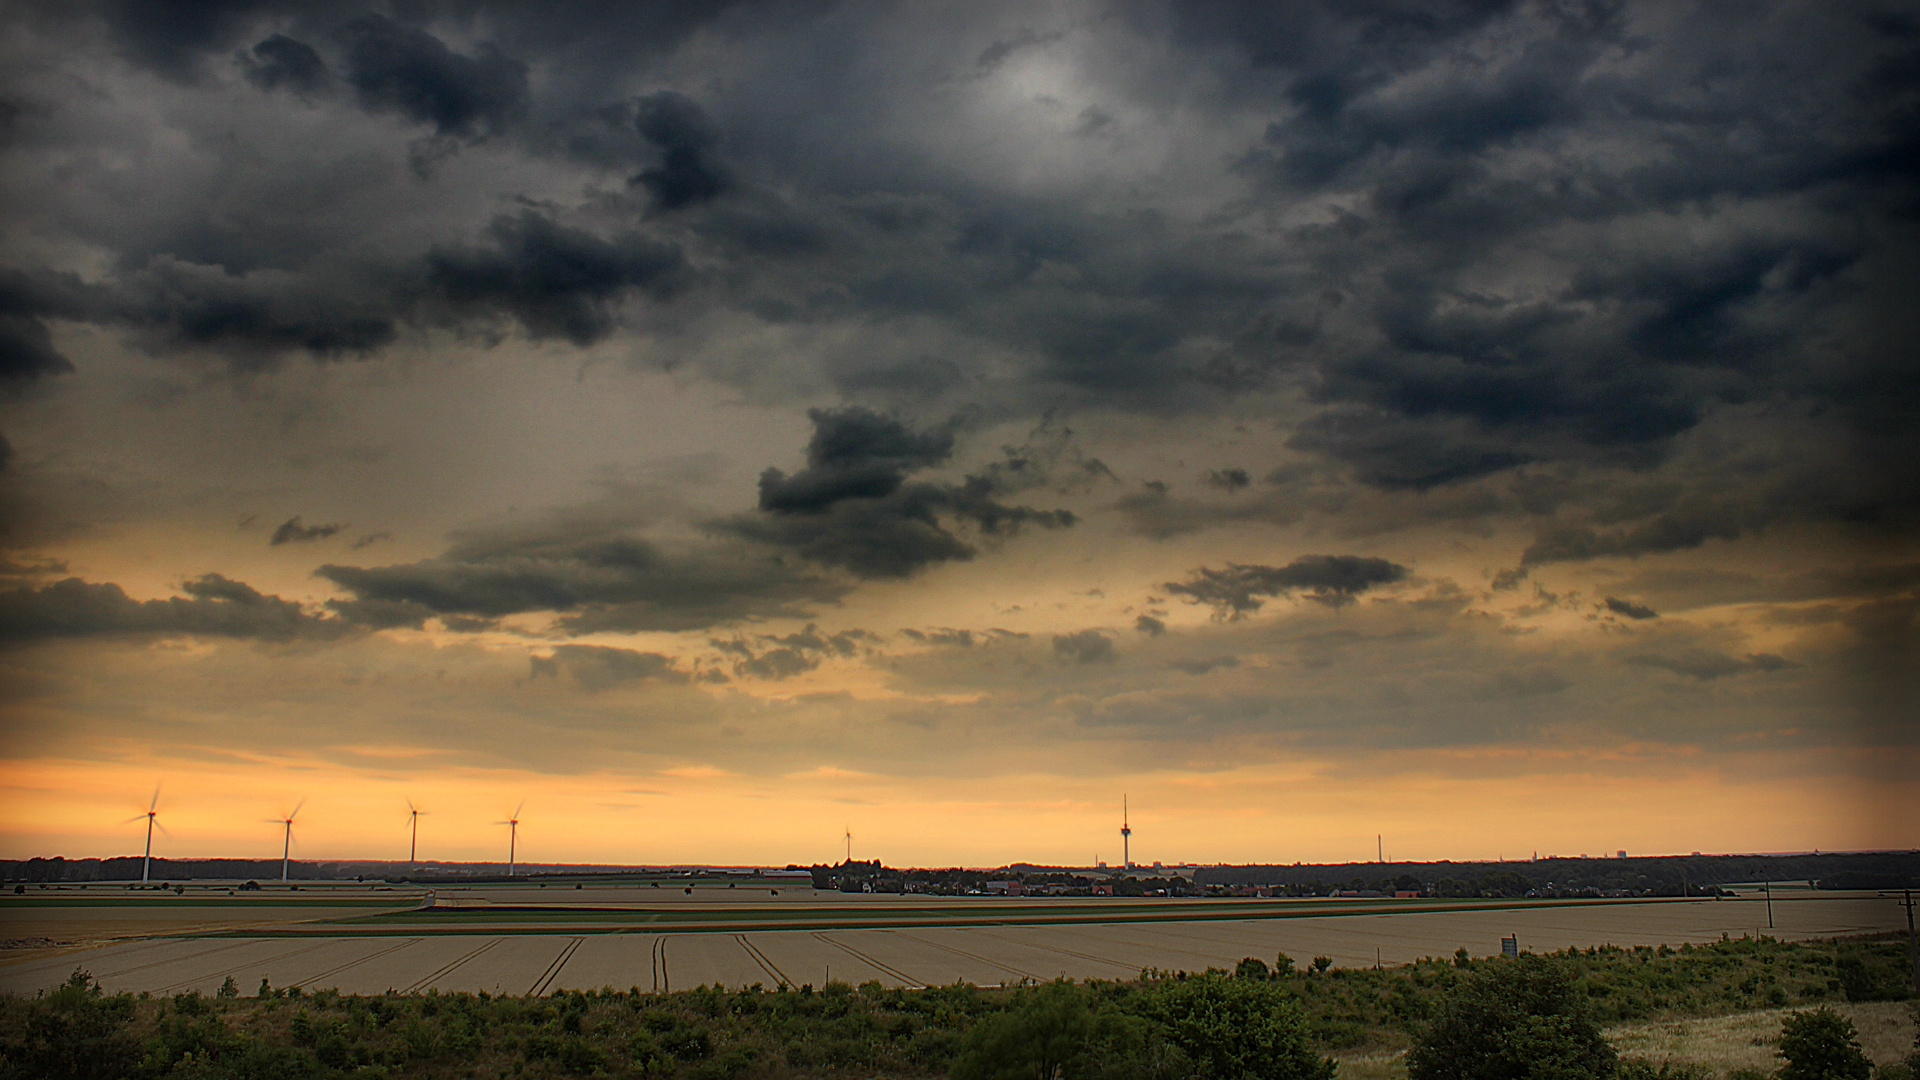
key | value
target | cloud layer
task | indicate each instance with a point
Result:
(1110, 387)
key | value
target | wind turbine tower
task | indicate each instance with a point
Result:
(1126, 836)
(513, 835)
(413, 839)
(153, 809)
(286, 837)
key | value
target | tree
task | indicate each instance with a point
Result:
(1820, 1045)
(1520, 1019)
(75, 1033)
(1235, 1029)
(1059, 1032)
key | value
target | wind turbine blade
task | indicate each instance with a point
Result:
(134, 818)
(411, 808)
(163, 829)
(517, 809)
(296, 809)
(154, 803)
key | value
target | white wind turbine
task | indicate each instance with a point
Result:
(513, 834)
(153, 812)
(286, 840)
(413, 841)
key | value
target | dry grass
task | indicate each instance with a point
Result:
(1372, 1066)
(1721, 1043)
(1747, 1040)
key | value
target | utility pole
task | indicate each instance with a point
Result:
(1769, 905)
(1913, 946)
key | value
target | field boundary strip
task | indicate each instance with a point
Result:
(567, 921)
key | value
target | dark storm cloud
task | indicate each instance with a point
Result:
(1630, 609)
(598, 667)
(1475, 238)
(1665, 532)
(26, 345)
(854, 453)
(280, 61)
(1333, 580)
(172, 36)
(596, 576)
(1084, 647)
(403, 69)
(291, 531)
(214, 606)
(26, 351)
(687, 173)
(1149, 625)
(1228, 479)
(592, 569)
(1391, 450)
(251, 318)
(557, 281)
(774, 657)
(853, 506)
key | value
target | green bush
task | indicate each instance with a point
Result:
(75, 1033)
(1820, 1045)
(1235, 1029)
(1518, 1019)
(1642, 1069)
(1058, 1031)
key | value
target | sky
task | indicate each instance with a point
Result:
(1454, 429)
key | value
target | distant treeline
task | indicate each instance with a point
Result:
(858, 876)
(1641, 876)
(128, 869)
(1651, 875)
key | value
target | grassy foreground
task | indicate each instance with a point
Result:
(841, 1031)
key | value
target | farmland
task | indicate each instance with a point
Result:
(1717, 1005)
(526, 938)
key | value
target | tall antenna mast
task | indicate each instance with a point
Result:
(1126, 835)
